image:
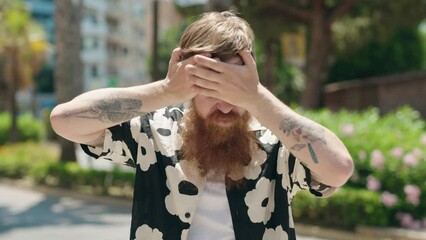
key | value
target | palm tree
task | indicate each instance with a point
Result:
(22, 53)
(68, 69)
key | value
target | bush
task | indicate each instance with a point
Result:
(346, 209)
(17, 160)
(389, 156)
(71, 175)
(39, 162)
(30, 129)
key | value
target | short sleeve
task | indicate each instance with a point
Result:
(137, 141)
(296, 176)
(117, 146)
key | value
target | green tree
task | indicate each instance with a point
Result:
(319, 18)
(22, 45)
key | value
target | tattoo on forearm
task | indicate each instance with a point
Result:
(113, 110)
(301, 131)
(312, 152)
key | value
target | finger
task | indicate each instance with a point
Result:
(203, 83)
(204, 73)
(206, 54)
(206, 92)
(247, 58)
(190, 60)
(211, 63)
(176, 55)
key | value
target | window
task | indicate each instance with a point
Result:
(94, 71)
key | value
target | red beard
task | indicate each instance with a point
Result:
(219, 151)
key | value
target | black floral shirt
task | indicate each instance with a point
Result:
(167, 188)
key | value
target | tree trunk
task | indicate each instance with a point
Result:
(270, 65)
(218, 5)
(68, 69)
(13, 88)
(4, 88)
(319, 51)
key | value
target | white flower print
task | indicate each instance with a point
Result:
(275, 234)
(254, 168)
(268, 138)
(165, 134)
(290, 217)
(260, 201)
(294, 182)
(183, 196)
(144, 232)
(184, 234)
(146, 153)
(118, 151)
(282, 167)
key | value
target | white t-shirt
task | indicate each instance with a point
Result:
(212, 220)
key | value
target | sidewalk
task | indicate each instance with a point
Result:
(52, 214)
(36, 212)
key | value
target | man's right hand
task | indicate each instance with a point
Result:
(178, 87)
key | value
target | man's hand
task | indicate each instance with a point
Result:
(178, 86)
(235, 82)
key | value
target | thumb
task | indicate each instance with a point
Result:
(247, 57)
(176, 55)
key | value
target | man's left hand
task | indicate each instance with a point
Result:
(235, 81)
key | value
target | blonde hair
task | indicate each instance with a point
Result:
(221, 33)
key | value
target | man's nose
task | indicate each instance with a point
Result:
(224, 106)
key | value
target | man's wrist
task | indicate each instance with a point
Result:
(257, 101)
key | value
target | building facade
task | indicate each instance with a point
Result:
(114, 41)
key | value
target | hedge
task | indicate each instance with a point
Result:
(389, 153)
(30, 128)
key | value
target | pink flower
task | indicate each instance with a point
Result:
(412, 194)
(423, 139)
(397, 152)
(410, 160)
(416, 225)
(388, 199)
(373, 184)
(405, 219)
(377, 159)
(347, 129)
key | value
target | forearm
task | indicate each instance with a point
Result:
(85, 118)
(317, 147)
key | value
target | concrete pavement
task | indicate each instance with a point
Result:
(30, 214)
(44, 213)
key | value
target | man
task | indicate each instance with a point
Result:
(225, 168)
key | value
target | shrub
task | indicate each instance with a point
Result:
(389, 156)
(39, 162)
(30, 128)
(71, 175)
(17, 160)
(346, 209)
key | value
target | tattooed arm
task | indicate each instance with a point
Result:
(317, 147)
(85, 118)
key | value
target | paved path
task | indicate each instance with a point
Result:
(49, 214)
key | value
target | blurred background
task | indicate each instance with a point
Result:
(356, 66)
